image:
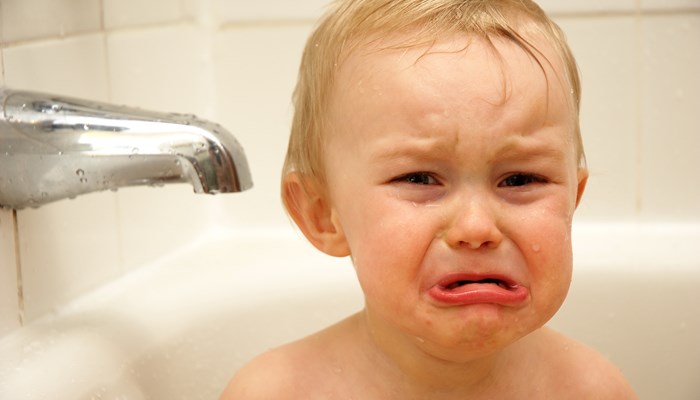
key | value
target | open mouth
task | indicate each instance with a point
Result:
(490, 281)
(463, 289)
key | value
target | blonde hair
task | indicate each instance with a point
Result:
(352, 23)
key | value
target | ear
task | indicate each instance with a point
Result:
(311, 210)
(582, 176)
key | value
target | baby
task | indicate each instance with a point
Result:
(437, 143)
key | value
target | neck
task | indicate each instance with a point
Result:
(419, 369)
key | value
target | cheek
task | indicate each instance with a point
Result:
(549, 259)
(388, 243)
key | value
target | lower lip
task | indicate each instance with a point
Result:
(479, 293)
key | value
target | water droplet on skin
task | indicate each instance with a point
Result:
(536, 248)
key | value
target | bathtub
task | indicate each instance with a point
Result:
(179, 328)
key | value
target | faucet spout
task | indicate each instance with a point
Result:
(54, 147)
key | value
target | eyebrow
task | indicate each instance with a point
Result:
(421, 148)
(430, 148)
(516, 148)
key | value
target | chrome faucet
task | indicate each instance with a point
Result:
(54, 147)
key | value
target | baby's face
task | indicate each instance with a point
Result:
(454, 178)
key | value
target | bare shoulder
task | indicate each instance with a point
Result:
(265, 377)
(579, 370)
(298, 370)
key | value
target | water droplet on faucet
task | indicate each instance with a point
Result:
(79, 172)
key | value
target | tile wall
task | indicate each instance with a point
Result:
(235, 61)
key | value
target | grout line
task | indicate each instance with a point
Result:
(2, 51)
(18, 268)
(638, 107)
(105, 45)
(101, 30)
(56, 38)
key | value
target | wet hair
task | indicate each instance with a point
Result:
(353, 23)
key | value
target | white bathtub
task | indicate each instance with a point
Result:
(179, 328)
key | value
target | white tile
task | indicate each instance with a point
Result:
(66, 249)
(35, 19)
(9, 300)
(72, 67)
(147, 71)
(670, 101)
(255, 70)
(266, 10)
(122, 13)
(587, 6)
(606, 55)
(163, 69)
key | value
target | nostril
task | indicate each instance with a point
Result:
(477, 244)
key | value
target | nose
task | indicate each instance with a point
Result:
(474, 223)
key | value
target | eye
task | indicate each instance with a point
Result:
(521, 179)
(418, 178)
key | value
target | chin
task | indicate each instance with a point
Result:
(479, 331)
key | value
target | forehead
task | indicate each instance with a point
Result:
(488, 71)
